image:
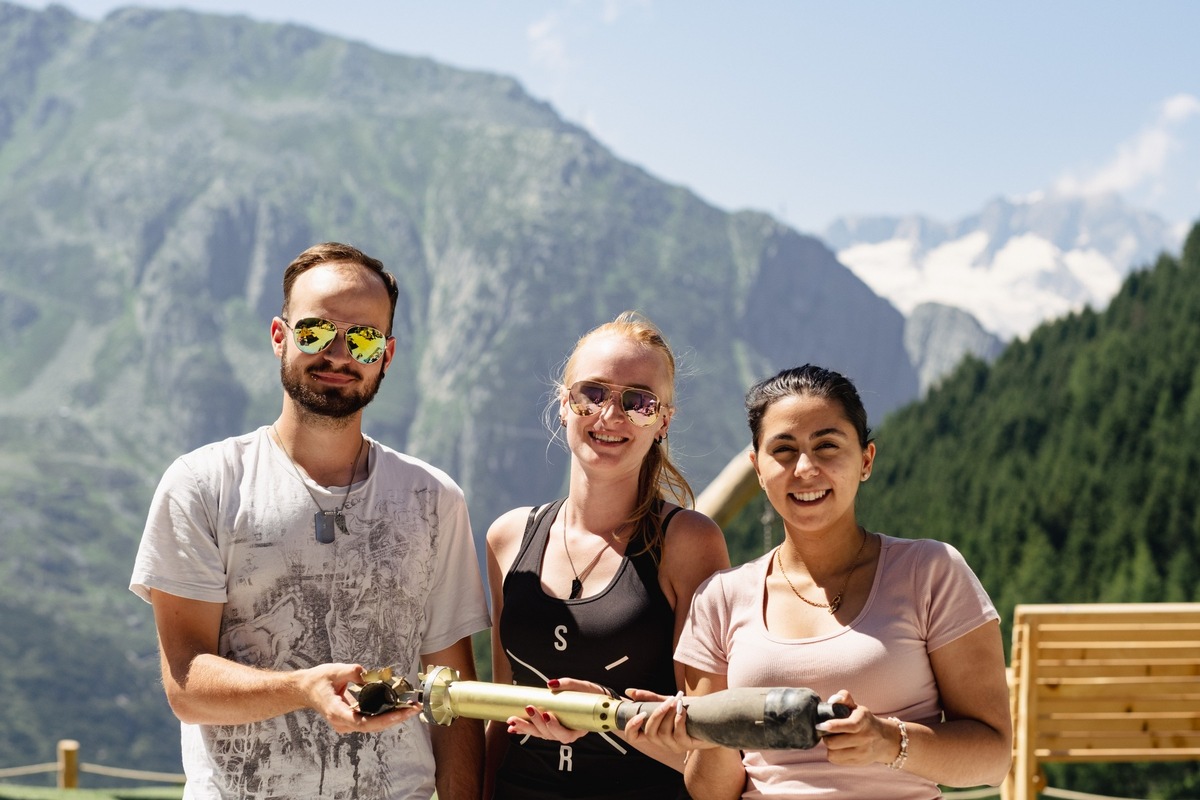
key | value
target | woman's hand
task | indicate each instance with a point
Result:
(861, 738)
(665, 726)
(543, 724)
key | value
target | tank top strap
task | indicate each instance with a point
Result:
(643, 532)
(667, 519)
(646, 563)
(537, 533)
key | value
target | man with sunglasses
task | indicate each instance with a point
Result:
(283, 562)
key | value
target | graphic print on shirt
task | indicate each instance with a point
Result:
(358, 600)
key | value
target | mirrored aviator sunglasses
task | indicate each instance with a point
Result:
(588, 397)
(364, 343)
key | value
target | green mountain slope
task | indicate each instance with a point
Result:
(159, 169)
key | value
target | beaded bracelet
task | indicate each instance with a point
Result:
(903, 755)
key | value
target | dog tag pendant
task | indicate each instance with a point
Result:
(325, 522)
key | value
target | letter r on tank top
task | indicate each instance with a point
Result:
(560, 643)
(565, 754)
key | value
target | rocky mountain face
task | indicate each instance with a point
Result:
(938, 337)
(159, 169)
(1014, 265)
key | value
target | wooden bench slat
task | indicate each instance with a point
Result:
(1129, 622)
(1118, 705)
(1098, 755)
(1133, 686)
(1120, 668)
(1117, 651)
(1117, 740)
(1083, 696)
(1055, 724)
(1055, 648)
(1148, 684)
(1147, 633)
(1105, 612)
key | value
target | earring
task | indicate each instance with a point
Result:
(865, 476)
(562, 422)
(662, 438)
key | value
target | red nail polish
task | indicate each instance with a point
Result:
(529, 710)
(545, 716)
(552, 683)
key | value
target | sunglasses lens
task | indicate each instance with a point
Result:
(366, 344)
(313, 335)
(586, 398)
(641, 407)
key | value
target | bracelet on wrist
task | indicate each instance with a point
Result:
(903, 755)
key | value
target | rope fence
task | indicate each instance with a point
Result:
(32, 769)
(68, 768)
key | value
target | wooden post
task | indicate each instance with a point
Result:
(730, 491)
(68, 764)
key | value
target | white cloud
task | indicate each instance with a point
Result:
(615, 9)
(1141, 161)
(548, 47)
(1180, 107)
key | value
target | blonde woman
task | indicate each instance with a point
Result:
(589, 592)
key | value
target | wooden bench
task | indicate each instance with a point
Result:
(1102, 682)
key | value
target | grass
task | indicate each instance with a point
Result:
(14, 792)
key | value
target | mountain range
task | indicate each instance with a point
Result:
(1013, 265)
(159, 169)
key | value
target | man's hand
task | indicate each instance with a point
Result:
(326, 687)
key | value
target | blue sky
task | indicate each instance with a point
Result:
(814, 110)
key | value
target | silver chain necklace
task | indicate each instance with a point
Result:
(580, 577)
(324, 522)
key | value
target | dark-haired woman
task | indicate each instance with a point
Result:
(899, 629)
(589, 593)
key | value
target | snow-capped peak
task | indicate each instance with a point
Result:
(1013, 266)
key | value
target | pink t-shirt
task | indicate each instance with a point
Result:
(924, 596)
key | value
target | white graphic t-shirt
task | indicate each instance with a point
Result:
(232, 523)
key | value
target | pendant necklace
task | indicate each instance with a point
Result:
(580, 577)
(324, 522)
(836, 603)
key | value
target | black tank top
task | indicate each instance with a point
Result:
(620, 638)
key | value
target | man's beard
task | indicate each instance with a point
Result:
(333, 403)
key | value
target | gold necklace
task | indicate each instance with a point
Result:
(580, 577)
(324, 521)
(836, 603)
